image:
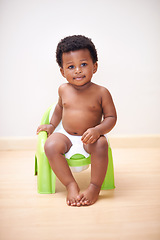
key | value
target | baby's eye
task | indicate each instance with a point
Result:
(71, 67)
(84, 64)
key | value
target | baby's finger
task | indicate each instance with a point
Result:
(38, 130)
(84, 135)
(84, 139)
(87, 139)
(90, 140)
(41, 128)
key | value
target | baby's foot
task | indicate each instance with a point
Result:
(90, 196)
(73, 192)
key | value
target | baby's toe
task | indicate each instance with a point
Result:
(79, 197)
(73, 202)
(87, 202)
(83, 201)
(78, 204)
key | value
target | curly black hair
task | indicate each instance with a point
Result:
(73, 43)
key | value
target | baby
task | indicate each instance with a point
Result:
(87, 110)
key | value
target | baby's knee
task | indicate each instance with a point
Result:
(102, 144)
(49, 147)
(57, 144)
(52, 147)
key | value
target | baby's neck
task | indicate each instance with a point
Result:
(84, 87)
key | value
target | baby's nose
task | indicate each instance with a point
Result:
(78, 70)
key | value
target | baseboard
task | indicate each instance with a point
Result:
(18, 143)
(137, 141)
(29, 143)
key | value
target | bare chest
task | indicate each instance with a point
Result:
(81, 102)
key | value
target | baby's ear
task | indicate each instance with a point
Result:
(95, 67)
(62, 72)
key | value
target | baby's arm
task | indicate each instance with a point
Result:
(55, 120)
(109, 121)
(57, 114)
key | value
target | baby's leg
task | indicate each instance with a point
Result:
(56, 146)
(99, 163)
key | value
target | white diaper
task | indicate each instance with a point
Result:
(77, 146)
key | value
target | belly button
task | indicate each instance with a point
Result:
(74, 133)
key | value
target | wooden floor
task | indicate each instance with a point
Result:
(131, 211)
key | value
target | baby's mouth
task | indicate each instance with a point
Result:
(79, 78)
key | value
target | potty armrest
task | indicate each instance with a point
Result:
(42, 137)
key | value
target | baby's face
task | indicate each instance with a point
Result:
(78, 67)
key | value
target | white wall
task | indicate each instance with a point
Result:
(127, 36)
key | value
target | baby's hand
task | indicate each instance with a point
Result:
(49, 128)
(90, 136)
